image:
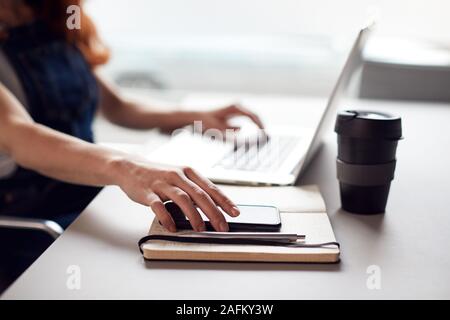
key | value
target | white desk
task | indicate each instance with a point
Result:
(409, 242)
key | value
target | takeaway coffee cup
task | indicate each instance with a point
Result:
(367, 144)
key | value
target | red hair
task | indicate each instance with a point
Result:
(54, 14)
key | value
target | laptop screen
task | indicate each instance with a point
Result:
(354, 60)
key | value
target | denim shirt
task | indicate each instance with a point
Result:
(60, 90)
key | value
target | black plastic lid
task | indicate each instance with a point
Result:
(368, 124)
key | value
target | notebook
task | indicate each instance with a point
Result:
(302, 211)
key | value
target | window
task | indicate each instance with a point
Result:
(282, 46)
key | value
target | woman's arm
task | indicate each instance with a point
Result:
(69, 159)
(133, 115)
(47, 151)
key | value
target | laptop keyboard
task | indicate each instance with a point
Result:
(266, 155)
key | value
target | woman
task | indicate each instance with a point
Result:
(51, 168)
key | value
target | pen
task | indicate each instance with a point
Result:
(269, 236)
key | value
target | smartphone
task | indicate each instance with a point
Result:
(253, 218)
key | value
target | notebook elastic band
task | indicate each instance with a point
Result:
(235, 241)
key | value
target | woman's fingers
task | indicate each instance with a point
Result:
(188, 190)
(183, 200)
(161, 213)
(239, 110)
(213, 191)
(206, 204)
(202, 199)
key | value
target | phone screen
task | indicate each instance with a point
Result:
(252, 214)
(252, 218)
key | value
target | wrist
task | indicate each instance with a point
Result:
(179, 119)
(118, 169)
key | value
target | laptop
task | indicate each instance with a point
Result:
(276, 156)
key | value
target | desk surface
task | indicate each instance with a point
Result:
(408, 242)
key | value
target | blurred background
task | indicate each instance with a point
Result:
(293, 47)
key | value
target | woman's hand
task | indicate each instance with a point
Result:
(219, 118)
(213, 119)
(152, 186)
